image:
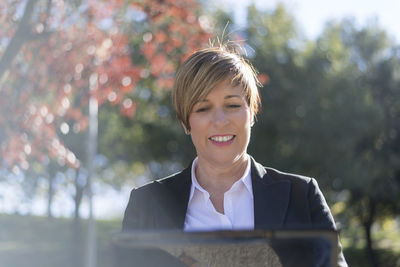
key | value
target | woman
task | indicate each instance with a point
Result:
(216, 99)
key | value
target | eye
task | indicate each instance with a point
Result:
(234, 106)
(202, 109)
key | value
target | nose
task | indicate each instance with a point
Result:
(220, 117)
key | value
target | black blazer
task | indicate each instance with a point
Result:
(281, 200)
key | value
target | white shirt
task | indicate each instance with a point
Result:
(201, 214)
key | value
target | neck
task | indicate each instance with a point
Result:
(215, 177)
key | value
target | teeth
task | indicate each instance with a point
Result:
(222, 138)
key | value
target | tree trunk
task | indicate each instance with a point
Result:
(77, 239)
(52, 169)
(50, 194)
(367, 228)
(78, 195)
(22, 35)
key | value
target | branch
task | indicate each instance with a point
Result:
(21, 36)
(48, 9)
(40, 36)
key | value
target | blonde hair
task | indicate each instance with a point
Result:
(203, 70)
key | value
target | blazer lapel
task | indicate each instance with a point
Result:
(178, 197)
(271, 198)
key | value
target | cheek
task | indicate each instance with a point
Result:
(192, 123)
(197, 122)
(197, 129)
(245, 119)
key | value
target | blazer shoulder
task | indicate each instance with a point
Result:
(173, 182)
(277, 175)
(159, 204)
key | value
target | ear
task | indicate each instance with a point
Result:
(185, 129)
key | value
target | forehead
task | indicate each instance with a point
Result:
(225, 89)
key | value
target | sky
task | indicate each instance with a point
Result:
(311, 15)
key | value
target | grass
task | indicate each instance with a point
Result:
(42, 242)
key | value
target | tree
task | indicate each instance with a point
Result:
(330, 111)
(77, 49)
(58, 54)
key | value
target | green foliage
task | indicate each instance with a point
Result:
(331, 110)
(154, 135)
(323, 107)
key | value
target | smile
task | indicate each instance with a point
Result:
(221, 139)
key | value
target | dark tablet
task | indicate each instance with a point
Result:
(226, 248)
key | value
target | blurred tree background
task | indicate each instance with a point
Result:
(331, 109)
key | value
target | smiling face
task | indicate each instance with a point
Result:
(220, 125)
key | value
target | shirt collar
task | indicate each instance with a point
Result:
(245, 179)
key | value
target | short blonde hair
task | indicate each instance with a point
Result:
(203, 70)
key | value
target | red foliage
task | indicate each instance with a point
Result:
(74, 53)
(263, 78)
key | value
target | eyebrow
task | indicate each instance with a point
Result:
(226, 97)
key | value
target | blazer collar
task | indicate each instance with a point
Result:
(271, 198)
(180, 190)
